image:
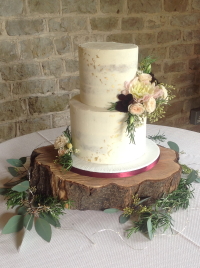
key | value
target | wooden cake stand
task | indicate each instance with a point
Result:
(88, 193)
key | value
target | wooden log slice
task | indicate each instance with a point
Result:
(88, 193)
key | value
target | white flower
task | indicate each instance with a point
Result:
(136, 108)
(60, 142)
(145, 78)
(165, 93)
(150, 105)
(62, 151)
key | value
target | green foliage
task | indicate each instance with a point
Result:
(112, 106)
(22, 210)
(50, 204)
(65, 161)
(15, 162)
(111, 210)
(4, 191)
(193, 176)
(21, 187)
(47, 216)
(14, 198)
(13, 171)
(133, 121)
(28, 221)
(145, 64)
(158, 215)
(15, 224)
(157, 138)
(31, 207)
(173, 146)
(43, 228)
(124, 218)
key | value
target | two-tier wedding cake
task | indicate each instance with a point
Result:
(99, 134)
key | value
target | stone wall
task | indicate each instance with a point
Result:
(39, 61)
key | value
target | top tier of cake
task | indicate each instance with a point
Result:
(104, 67)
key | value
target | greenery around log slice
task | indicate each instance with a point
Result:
(45, 211)
(150, 217)
(31, 208)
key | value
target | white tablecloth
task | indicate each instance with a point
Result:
(96, 239)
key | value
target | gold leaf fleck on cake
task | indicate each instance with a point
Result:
(96, 158)
(97, 56)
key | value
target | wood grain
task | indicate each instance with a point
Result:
(90, 193)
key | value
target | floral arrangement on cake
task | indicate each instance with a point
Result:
(143, 97)
(65, 149)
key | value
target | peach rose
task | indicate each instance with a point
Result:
(136, 108)
(60, 142)
(158, 92)
(150, 105)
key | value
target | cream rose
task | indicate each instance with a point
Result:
(150, 105)
(165, 93)
(60, 142)
(136, 108)
(145, 78)
(62, 151)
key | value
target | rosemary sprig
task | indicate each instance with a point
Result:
(133, 121)
(158, 137)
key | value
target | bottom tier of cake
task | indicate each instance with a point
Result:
(100, 135)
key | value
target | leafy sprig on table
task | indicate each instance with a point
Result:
(151, 217)
(42, 211)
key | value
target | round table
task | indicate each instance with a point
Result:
(96, 239)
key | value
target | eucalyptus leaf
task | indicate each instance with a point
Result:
(47, 216)
(143, 200)
(15, 224)
(198, 180)
(21, 187)
(15, 162)
(28, 221)
(3, 191)
(192, 177)
(43, 228)
(149, 228)
(173, 146)
(13, 171)
(21, 210)
(123, 218)
(23, 160)
(111, 210)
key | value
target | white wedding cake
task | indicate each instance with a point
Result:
(99, 134)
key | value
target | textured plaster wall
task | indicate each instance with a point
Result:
(39, 60)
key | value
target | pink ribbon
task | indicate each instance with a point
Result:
(114, 175)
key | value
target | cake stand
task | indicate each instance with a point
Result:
(102, 192)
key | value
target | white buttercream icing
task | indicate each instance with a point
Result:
(104, 67)
(100, 135)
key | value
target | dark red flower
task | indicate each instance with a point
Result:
(153, 79)
(124, 102)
